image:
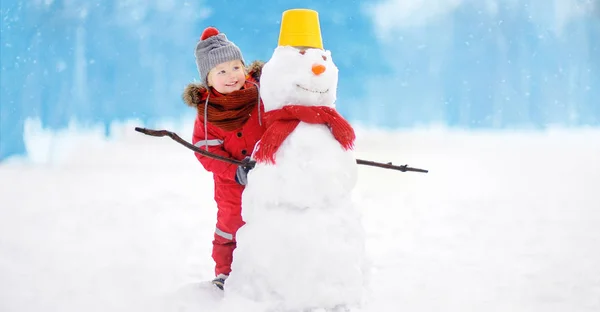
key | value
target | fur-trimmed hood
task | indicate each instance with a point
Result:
(194, 94)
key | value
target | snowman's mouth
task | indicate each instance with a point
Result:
(313, 91)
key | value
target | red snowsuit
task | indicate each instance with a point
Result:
(235, 144)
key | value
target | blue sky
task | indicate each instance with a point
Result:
(471, 64)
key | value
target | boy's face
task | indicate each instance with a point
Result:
(227, 77)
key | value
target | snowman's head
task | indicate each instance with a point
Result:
(296, 76)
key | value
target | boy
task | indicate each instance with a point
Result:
(228, 124)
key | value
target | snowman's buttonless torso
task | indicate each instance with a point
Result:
(304, 246)
(312, 171)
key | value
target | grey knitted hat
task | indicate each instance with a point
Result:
(212, 50)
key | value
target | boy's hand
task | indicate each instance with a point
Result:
(241, 174)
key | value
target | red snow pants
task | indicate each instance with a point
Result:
(222, 253)
(229, 219)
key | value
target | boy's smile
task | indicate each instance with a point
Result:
(227, 77)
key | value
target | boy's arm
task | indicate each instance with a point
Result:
(215, 146)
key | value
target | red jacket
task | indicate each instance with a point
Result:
(235, 144)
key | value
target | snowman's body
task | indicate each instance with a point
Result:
(303, 163)
(303, 243)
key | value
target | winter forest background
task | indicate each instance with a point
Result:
(495, 64)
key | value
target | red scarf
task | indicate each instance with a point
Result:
(281, 122)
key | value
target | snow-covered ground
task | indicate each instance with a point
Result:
(503, 222)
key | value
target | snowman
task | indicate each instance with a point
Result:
(302, 247)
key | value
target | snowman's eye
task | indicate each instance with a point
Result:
(302, 52)
(324, 58)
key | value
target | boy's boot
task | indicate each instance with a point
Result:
(219, 281)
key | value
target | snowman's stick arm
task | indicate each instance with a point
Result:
(178, 139)
(251, 163)
(403, 168)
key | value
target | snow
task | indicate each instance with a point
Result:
(502, 222)
(303, 244)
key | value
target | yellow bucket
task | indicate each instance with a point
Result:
(300, 28)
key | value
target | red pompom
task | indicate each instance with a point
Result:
(209, 32)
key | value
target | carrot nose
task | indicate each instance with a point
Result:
(318, 69)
